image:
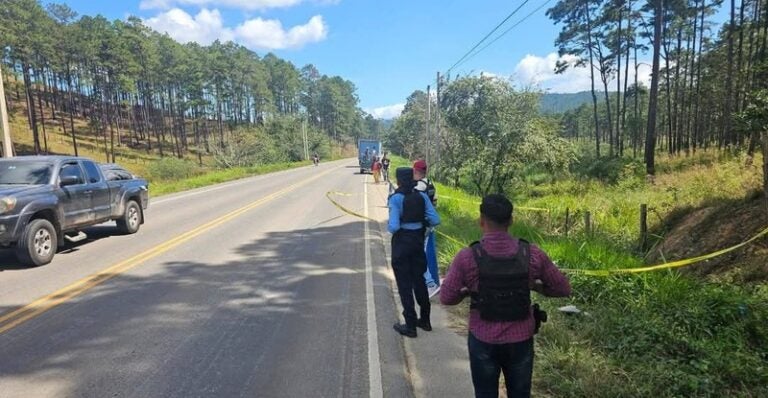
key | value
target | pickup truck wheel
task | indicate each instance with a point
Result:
(130, 222)
(38, 243)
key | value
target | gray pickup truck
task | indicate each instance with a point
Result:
(47, 200)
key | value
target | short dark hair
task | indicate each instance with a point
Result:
(496, 208)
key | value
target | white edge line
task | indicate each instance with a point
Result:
(374, 362)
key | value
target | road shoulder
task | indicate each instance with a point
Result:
(436, 362)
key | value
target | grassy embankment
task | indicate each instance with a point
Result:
(653, 334)
(166, 175)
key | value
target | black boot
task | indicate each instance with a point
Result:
(424, 324)
(405, 330)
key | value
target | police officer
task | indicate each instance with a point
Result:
(410, 213)
(423, 184)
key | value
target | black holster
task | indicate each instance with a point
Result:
(540, 316)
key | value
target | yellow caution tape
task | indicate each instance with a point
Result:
(344, 209)
(341, 193)
(674, 264)
(592, 272)
(477, 203)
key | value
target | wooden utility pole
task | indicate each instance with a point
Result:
(7, 145)
(304, 137)
(429, 103)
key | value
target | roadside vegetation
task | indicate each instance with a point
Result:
(699, 330)
(654, 334)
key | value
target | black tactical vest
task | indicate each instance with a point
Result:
(503, 293)
(413, 207)
(430, 189)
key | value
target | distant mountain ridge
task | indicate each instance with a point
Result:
(550, 103)
(561, 102)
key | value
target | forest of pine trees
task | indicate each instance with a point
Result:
(143, 89)
(708, 86)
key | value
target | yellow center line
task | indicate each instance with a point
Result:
(43, 304)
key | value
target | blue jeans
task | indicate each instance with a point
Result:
(432, 275)
(487, 361)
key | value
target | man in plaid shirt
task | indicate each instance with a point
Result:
(496, 346)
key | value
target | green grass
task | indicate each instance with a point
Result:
(212, 177)
(615, 209)
(654, 334)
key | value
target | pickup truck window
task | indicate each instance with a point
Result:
(92, 172)
(72, 169)
(25, 172)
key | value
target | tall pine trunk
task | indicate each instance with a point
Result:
(650, 142)
(726, 129)
(592, 78)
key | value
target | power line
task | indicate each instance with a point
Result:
(502, 34)
(489, 34)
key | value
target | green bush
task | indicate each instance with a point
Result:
(605, 169)
(248, 147)
(167, 169)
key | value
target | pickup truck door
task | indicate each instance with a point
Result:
(100, 196)
(75, 198)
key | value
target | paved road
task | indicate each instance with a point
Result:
(255, 288)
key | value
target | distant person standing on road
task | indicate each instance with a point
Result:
(376, 168)
(385, 167)
(410, 212)
(498, 273)
(423, 184)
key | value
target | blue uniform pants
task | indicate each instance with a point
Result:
(432, 275)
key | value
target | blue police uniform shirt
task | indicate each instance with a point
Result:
(396, 209)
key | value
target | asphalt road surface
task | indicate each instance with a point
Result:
(254, 288)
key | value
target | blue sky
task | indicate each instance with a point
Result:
(388, 48)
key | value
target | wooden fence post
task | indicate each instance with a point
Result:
(587, 223)
(643, 226)
(567, 220)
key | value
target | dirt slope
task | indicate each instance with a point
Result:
(695, 232)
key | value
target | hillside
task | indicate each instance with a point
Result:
(562, 102)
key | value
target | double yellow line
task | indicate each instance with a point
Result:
(15, 318)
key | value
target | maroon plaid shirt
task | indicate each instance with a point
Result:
(465, 274)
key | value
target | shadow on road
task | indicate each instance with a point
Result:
(8, 261)
(283, 316)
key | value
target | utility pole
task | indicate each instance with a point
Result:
(304, 137)
(7, 145)
(437, 123)
(429, 103)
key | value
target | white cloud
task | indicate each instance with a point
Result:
(387, 112)
(203, 28)
(238, 4)
(258, 33)
(269, 33)
(540, 71)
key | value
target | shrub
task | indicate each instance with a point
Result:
(167, 169)
(247, 148)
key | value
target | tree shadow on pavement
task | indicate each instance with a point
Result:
(279, 316)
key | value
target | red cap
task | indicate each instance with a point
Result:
(420, 165)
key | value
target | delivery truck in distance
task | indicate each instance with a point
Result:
(366, 150)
